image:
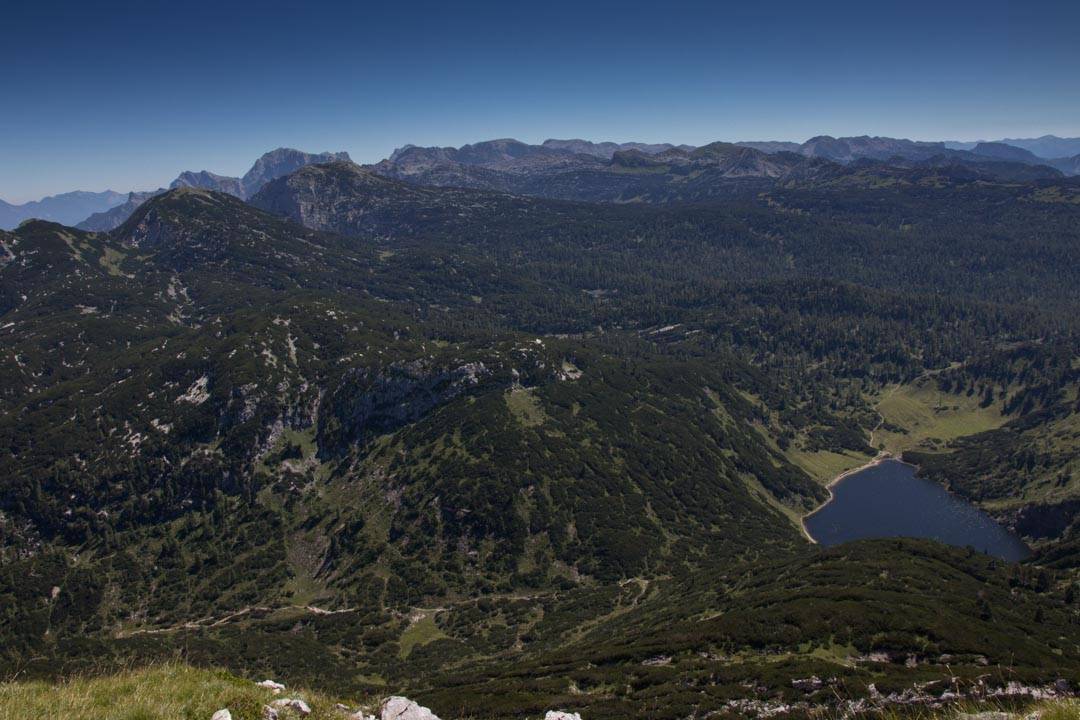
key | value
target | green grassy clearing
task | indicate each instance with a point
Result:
(929, 418)
(422, 631)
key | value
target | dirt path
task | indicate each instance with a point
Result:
(217, 621)
(881, 457)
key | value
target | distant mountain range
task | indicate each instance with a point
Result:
(114, 217)
(273, 164)
(1012, 153)
(849, 149)
(580, 170)
(1002, 151)
(1056, 152)
(352, 200)
(1048, 150)
(66, 209)
(607, 149)
(666, 173)
(584, 170)
(1048, 147)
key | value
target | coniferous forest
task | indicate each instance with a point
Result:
(506, 451)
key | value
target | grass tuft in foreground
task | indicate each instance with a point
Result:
(1065, 709)
(164, 692)
(180, 692)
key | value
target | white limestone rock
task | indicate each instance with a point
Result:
(402, 708)
(294, 704)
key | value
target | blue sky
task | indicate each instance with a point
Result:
(124, 95)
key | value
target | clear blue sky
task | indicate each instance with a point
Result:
(117, 95)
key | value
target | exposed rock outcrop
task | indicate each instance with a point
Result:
(209, 181)
(402, 708)
(367, 403)
(283, 161)
(295, 704)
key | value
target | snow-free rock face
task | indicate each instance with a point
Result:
(222, 714)
(344, 198)
(282, 161)
(209, 181)
(402, 708)
(273, 164)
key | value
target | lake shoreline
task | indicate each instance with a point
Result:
(895, 502)
(881, 457)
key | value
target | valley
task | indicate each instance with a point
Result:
(507, 452)
(540, 361)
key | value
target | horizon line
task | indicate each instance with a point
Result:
(1030, 136)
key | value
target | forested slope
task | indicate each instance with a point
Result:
(440, 429)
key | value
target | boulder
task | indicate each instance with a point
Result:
(401, 708)
(276, 687)
(561, 715)
(221, 714)
(294, 704)
(269, 713)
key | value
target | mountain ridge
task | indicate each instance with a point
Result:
(473, 165)
(65, 208)
(1047, 147)
(268, 166)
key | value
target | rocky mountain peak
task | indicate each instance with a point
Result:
(209, 181)
(283, 161)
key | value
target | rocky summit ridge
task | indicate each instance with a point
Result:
(570, 169)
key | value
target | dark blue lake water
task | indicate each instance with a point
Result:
(888, 500)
